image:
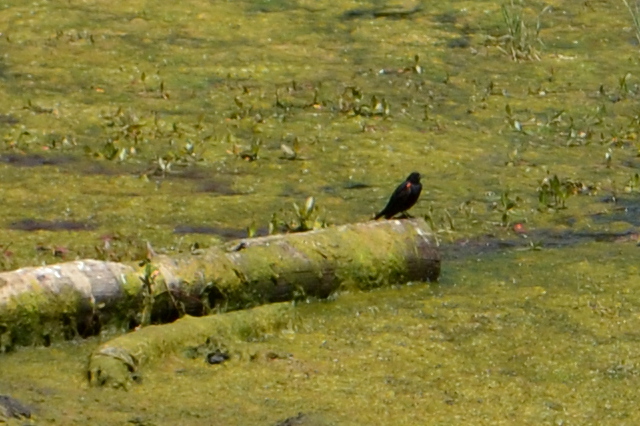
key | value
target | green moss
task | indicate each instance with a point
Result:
(38, 318)
(117, 362)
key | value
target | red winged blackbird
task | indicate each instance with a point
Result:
(403, 198)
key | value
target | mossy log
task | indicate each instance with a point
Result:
(43, 304)
(277, 268)
(38, 305)
(117, 363)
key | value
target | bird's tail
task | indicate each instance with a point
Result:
(378, 216)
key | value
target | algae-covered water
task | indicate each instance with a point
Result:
(132, 122)
(531, 337)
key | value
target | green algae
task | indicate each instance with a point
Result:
(519, 337)
(513, 335)
(221, 95)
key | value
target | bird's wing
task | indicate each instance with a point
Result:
(403, 191)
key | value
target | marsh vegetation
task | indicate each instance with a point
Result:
(182, 126)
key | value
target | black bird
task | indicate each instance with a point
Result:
(403, 198)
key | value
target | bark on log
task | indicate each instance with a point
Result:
(38, 305)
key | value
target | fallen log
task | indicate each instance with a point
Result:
(117, 363)
(38, 305)
(43, 304)
(280, 267)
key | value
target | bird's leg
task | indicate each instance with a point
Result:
(405, 215)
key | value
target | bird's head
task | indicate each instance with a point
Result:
(414, 177)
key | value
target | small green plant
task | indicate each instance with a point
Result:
(623, 84)
(291, 152)
(608, 158)
(300, 219)
(429, 218)
(350, 98)
(535, 245)
(378, 106)
(506, 207)
(513, 121)
(252, 229)
(56, 141)
(7, 259)
(634, 11)
(523, 38)
(20, 139)
(351, 102)
(243, 110)
(161, 166)
(125, 126)
(553, 192)
(306, 216)
(148, 279)
(633, 184)
(164, 165)
(445, 222)
(416, 68)
(252, 153)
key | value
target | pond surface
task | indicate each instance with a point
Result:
(142, 121)
(527, 337)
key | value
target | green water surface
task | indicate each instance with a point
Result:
(125, 122)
